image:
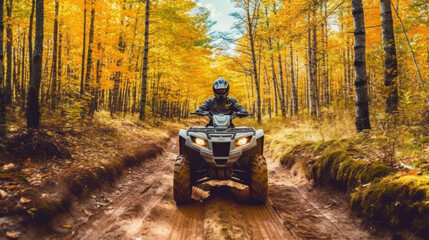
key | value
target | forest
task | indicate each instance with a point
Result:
(341, 89)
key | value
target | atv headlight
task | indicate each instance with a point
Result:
(242, 141)
(200, 142)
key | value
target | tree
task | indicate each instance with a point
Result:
(55, 59)
(90, 46)
(362, 113)
(30, 37)
(390, 61)
(83, 84)
(9, 41)
(294, 87)
(251, 9)
(33, 111)
(2, 96)
(312, 45)
(145, 62)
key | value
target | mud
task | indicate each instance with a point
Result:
(140, 205)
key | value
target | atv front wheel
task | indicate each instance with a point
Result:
(182, 188)
(258, 187)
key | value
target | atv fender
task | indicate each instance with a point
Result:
(182, 140)
(259, 136)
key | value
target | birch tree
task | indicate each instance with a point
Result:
(362, 113)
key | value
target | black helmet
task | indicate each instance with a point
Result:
(221, 88)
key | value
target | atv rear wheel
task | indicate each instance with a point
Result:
(182, 188)
(258, 186)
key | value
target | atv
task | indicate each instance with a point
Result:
(220, 151)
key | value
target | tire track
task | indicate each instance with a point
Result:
(142, 207)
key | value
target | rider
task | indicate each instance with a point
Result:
(221, 103)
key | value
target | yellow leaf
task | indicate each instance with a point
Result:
(13, 235)
(8, 167)
(24, 200)
(11, 187)
(88, 213)
(3, 194)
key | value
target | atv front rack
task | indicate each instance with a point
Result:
(231, 131)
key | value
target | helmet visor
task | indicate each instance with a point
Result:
(220, 91)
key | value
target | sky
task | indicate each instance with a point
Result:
(220, 13)
(220, 10)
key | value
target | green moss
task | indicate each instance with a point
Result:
(326, 166)
(321, 146)
(398, 200)
(335, 166)
(288, 159)
(347, 173)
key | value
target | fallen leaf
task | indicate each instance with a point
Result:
(13, 235)
(88, 213)
(24, 200)
(3, 193)
(8, 167)
(11, 187)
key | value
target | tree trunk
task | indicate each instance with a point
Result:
(90, 43)
(23, 73)
(313, 72)
(268, 91)
(390, 61)
(3, 126)
(82, 73)
(362, 112)
(282, 87)
(145, 63)
(9, 41)
(309, 67)
(251, 22)
(315, 91)
(30, 38)
(60, 46)
(294, 86)
(55, 58)
(33, 111)
(325, 63)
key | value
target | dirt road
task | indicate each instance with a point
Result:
(141, 206)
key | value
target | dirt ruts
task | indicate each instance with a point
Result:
(140, 206)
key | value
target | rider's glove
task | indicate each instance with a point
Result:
(243, 113)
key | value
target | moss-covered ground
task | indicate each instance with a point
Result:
(386, 187)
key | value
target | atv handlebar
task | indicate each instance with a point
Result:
(234, 114)
(203, 113)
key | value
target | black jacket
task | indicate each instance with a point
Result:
(224, 106)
